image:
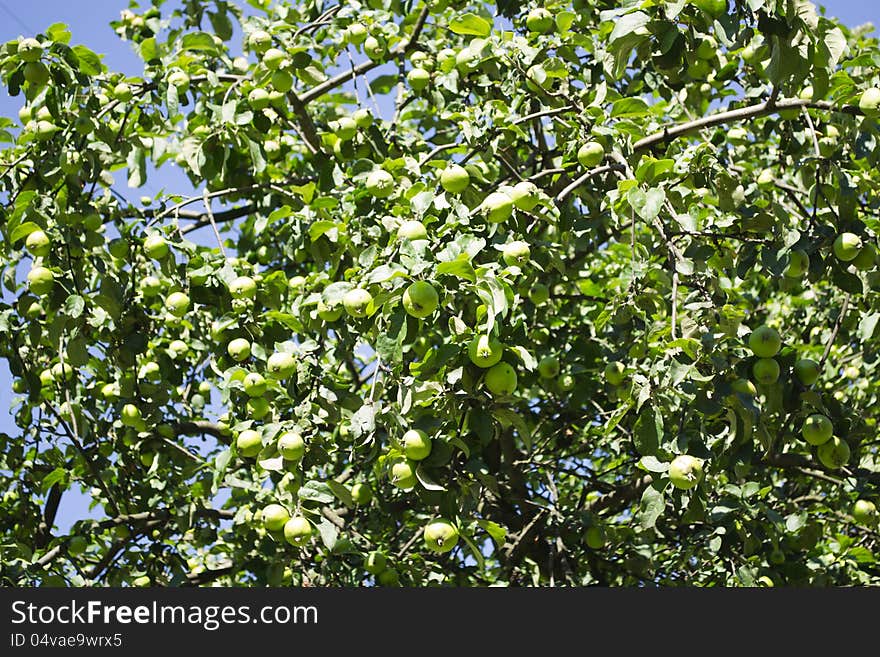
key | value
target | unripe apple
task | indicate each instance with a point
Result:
(275, 517)
(239, 349)
(412, 230)
(357, 302)
(485, 351)
(566, 382)
(374, 48)
(77, 545)
(388, 577)
(123, 92)
(38, 244)
(249, 443)
(45, 130)
(243, 287)
(865, 512)
(539, 294)
(446, 60)
(817, 429)
(327, 313)
(273, 58)
(539, 20)
(281, 365)
(525, 195)
(179, 80)
(131, 415)
(867, 257)
(685, 471)
(418, 78)
(282, 81)
(363, 118)
(807, 371)
(29, 50)
(548, 367)
(361, 493)
(156, 247)
(420, 299)
(498, 207)
(257, 407)
(25, 114)
(765, 342)
(344, 128)
(766, 179)
(254, 384)
(291, 446)
(258, 98)
(380, 183)
(403, 475)
(834, 454)
(416, 444)
(846, 246)
(869, 101)
(46, 379)
(595, 538)
(440, 536)
(356, 33)
(455, 179)
(375, 563)
(591, 154)
(259, 41)
(516, 253)
(798, 264)
(615, 373)
(36, 73)
(501, 379)
(766, 371)
(40, 280)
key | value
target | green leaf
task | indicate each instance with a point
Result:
(652, 464)
(149, 49)
(868, 326)
(23, 230)
(651, 507)
(316, 491)
(628, 25)
(363, 422)
(198, 41)
(58, 32)
(74, 305)
(329, 533)
(475, 551)
(471, 24)
(425, 479)
(87, 61)
(461, 267)
(646, 204)
(341, 492)
(496, 531)
(564, 20)
(648, 431)
(629, 107)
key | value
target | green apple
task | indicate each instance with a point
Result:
(380, 183)
(363, 118)
(178, 348)
(282, 81)
(375, 563)
(566, 382)
(440, 536)
(498, 207)
(865, 512)
(418, 78)
(38, 244)
(548, 367)
(685, 471)
(539, 294)
(273, 58)
(516, 253)
(70, 161)
(374, 48)
(867, 257)
(834, 454)
(110, 391)
(46, 379)
(412, 230)
(25, 114)
(156, 247)
(847, 246)
(356, 33)
(130, 415)
(36, 73)
(420, 299)
(539, 20)
(243, 287)
(357, 302)
(179, 80)
(259, 41)
(869, 101)
(807, 371)
(416, 444)
(327, 313)
(45, 130)
(446, 60)
(281, 365)
(361, 493)
(239, 349)
(388, 577)
(590, 154)
(77, 545)
(257, 407)
(798, 264)
(29, 50)
(258, 98)
(291, 446)
(455, 179)
(615, 372)
(765, 342)
(123, 92)
(817, 429)
(595, 538)
(501, 379)
(254, 384)
(345, 128)
(62, 372)
(40, 280)
(249, 443)
(402, 475)
(766, 371)
(275, 517)
(485, 351)
(766, 179)
(525, 195)
(177, 303)
(744, 387)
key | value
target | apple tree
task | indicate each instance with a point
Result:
(538, 293)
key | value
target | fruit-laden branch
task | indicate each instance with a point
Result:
(306, 124)
(577, 182)
(202, 428)
(805, 466)
(136, 519)
(364, 67)
(770, 106)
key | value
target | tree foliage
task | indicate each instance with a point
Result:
(598, 205)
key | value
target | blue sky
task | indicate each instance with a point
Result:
(88, 21)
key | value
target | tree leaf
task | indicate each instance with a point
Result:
(471, 24)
